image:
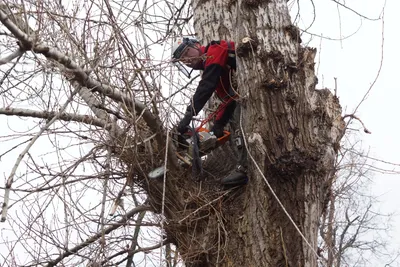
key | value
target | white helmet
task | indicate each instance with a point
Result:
(178, 46)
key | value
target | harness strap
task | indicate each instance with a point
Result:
(231, 62)
(213, 114)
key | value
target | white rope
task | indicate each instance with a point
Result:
(163, 196)
(272, 190)
(165, 167)
(245, 40)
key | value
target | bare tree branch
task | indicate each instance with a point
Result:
(98, 235)
(355, 12)
(10, 179)
(83, 79)
(9, 111)
(10, 57)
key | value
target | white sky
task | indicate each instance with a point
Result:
(355, 62)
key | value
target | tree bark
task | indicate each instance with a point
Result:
(292, 131)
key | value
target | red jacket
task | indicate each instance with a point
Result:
(219, 62)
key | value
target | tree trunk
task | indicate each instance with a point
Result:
(292, 132)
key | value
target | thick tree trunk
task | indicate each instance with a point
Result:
(292, 131)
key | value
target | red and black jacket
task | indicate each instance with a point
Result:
(219, 62)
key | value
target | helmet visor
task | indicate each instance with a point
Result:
(186, 42)
(183, 68)
(179, 51)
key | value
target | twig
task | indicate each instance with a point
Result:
(284, 248)
(14, 147)
(132, 250)
(98, 235)
(10, 179)
(355, 12)
(335, 86)
(205, 205)
(10, 57)
(379, 69)
(357, 118)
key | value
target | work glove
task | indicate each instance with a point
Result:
(180, 140)
(218, 130)
(184, 123)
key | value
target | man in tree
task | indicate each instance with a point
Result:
(217, 60)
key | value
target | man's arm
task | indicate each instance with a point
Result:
(214, 65)
(206, 87)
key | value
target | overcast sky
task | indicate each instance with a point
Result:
(355, 63)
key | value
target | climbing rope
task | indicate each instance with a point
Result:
(272, 190)
(245, 40)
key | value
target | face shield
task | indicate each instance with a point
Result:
(178, 49)
(183, 68)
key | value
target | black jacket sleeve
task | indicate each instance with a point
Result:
(206, 87)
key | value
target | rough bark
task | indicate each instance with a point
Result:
(292, 130)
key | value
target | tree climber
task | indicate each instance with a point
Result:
(217, 60)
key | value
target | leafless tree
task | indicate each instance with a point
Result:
(353, 231)
(96, 98)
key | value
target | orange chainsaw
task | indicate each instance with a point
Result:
(203, 140)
